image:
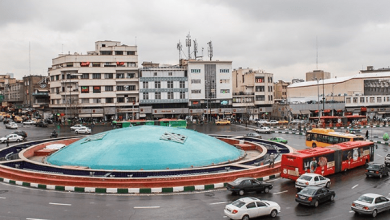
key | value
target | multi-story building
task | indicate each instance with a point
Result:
(102, 84)
(163, 91)
(36, 91)
(13, 94)
(264, 92)
(210, 87)
(281, 90)
(5, 80)
(316, 75)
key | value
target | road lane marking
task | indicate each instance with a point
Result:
(351, 211)
(147, 207)
(36, 219)
(64, 204)
(353, 187)
(216, 203)
(280, 192)
(2, 197)
(379, 155)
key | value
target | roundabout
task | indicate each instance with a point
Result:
(143, 159)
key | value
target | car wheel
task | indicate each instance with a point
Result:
(241, 192)
(327, 185)
(77, 132)
(274, 213)
(245, 217)
(266, 190)
(332, 198)
(316, 204)
(374, 213)
(314, 146)
(18, 140)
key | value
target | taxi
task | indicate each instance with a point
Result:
(222, 122)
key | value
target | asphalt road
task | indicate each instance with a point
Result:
(28, 203)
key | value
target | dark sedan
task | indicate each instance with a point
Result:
(314, 195)
(248, 184)
(377, 170)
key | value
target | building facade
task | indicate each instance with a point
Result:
(317, 74)
(281, 90)
(13, 94)
(101, 85)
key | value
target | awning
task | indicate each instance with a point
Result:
(85, 115)
(327, 110)
(339, 110)
(120, 63)
(84, 63)
(305, 112)
(295, 112)
(97, 115)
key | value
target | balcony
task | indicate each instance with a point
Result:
(151, 101)
(41, 94)
(243, 94)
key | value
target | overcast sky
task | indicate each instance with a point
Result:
(280, 37)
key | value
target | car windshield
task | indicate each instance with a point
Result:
(308, 191)
(373, 166)
(237, 181)
(238, 203)
(365, 199)
(303, 177)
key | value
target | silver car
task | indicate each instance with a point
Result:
(371, 204)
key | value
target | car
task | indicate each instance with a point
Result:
(20, 133)
(7, 120)
(283, 122)
(18, 119)
(377, 170)
(248, 184)
(297, 121)
(279, 139)
(314, 195)
(11, 125)
(250, 207)
(76, 126)
(370, 204)
(222, 122)
(262, 121)
(83, 130)
(312, 179)
(265, 130)
(41, 124)
(272, 122)
(11, 138)
(29, 122)
(387, 160)
(387, 119)
(256, 135)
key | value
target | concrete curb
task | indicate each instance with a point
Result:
(127, 190)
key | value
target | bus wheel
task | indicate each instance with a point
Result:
(314, 146)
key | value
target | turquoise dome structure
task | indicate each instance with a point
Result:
(145, 147)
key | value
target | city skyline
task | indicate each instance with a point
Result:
(287, 39)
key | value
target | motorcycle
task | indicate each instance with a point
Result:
(54, 135)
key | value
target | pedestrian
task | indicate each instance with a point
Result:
(367, 134)
(7, 141)
(271, 160)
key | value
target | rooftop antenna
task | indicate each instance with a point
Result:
(188, 44)
(195, 48)
(179, 48)
(210, 50)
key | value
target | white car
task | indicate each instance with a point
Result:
(29, 122)
(11, 125)
(250, 207)
(312, 179)
(11, 138)
(265, 130)
(83, 130)
(77, 126)
(262, 121)
(371, 204)
(273, 122)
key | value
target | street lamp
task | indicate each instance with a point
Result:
(318, 96)
(323, 95)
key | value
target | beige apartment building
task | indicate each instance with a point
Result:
(316, 75)
(281, 90)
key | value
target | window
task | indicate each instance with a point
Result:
(251, 205)
(270, 79)
(120, 88)
(196, 91)
(84, 89)
(224, 81)
(85, 76)
(372, 99)
(130, 75)
(224, 71)
(118, 52)
(195, 81)
(157, 95)
(195, 70)
(157, 84)
(57, 77)
(379, 99)
(170, 95)
(95, 64)
(96, 76)
(109, 100)
(120, 99)
(169, 73)
(270, 97)
(260, 89)
(361, 99)
(145, 85)
(182, 84)
(131, 100)
(131, 64)
(108, 75)
(69, 64)
(130, 52)
(146, 95)
(131, 88)
(120, 75)
(348, 100)
(105, 52)
(260, 98)
(155, 74)
(270, 88)
(182, 95)
(170, 84)
(97, 89)
(97, 100)
(259, 79)
(109, 88)
(261, 204)
(84, 100)
(225, 90)
(355, 99)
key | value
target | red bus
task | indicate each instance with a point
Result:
(327, 160)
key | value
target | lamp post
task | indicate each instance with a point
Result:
(318, 96)
(323, 95)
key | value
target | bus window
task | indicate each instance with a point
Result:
(315, 137)
(319, 138)
(309, 137)
(358, 139)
